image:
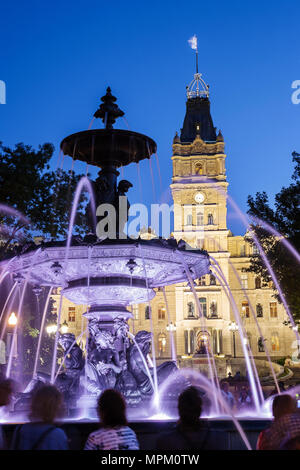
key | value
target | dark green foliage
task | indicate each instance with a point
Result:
(44, 196)
(285, 218)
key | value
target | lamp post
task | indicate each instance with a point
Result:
(11, 336)
(234, 328)
(52, 328)
(12, 320)
(171, 328)
(64, 328)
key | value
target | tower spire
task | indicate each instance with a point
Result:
(197, 87)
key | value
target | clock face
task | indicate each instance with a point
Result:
(199, 197)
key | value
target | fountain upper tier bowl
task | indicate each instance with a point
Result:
(105, 271)
(108, 147)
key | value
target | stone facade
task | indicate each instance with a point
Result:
(199, 190)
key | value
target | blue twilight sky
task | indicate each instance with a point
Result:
(58, 57)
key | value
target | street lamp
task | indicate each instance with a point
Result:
(64, 328)
(52, 328)
(234, 328)
(171, 327)
(12, 320)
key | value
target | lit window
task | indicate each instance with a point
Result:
(273, 309)
(255, 250)
(162, 343)
(72, 314)
(244, 280)
(161, 312)
(245, 309)
(275, 342)
(199, 169)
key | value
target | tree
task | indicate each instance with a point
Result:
(285, 218)
(28, 185)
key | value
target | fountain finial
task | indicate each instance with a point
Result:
(108, 111)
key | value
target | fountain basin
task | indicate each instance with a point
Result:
(157, 264)
(108, 147)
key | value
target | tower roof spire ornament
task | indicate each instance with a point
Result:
(197, 87)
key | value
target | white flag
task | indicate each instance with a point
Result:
(193, 42)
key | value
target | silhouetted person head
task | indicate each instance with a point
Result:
(46, 404)
(293, 444)
(6, 390)
(283, 405)
(190, 406)
(112, 409)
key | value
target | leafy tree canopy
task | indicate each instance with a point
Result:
(44, 196)
(285, 218)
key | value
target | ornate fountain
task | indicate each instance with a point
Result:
(109, 274)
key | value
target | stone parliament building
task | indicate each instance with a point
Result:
(199, 188)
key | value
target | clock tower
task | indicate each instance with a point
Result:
(199, 190)
(199, 185)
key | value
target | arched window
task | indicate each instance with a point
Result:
(199, 169)
(245, 309)
(189, 219)
(191, 309)
(147, 312)
(202, 342)
(257, 283)
(212, 280)
(162, 344)
(249, 339)
(203, 305)
(161, 312)
(210, 219)
(259, 310)
(275, 342)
